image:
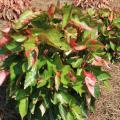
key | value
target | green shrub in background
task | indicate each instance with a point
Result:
(52, 60)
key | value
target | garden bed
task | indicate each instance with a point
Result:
(107, 107)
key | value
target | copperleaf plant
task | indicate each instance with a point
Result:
(52, 61)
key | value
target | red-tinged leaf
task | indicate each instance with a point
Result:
(71, 76)
(32, 55)
(45, 52)
(26, 21)
(80, 47)
(108, 27)
(98, 61)
(4, 40)
(94, 42)
(110, 18)
(73, 43)
(3, 57)
(51, 10)
(76, 2)
(80, 25)
(90, 81)
(27, 31)
(3, 76)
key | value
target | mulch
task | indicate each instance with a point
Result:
(107, 107)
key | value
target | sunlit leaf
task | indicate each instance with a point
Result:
(23, 107)
(66, 15)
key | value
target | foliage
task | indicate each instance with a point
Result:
(53, 60)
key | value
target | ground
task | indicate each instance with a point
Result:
(107, 107)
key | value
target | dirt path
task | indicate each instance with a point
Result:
(108, 106)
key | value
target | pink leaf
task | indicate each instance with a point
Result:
(3, 76)
(108, 27)
(6, 27)
(90, 81)
(6, 30)
(73, 43)
(3, 56)
(98, 61)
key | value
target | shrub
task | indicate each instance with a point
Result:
(53, 60)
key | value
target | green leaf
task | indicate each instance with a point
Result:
(13, 70)
(79, 72)
(43, 79)
(62, 112)
(78, 87)
(19, 37)
(13, 46)
(64, 98)
(65, 70)
(66, 15)
(107, 84)
(42, 83)
(97, 90)
(20, 94)
(41, 21)
(29, 44)
(15, 73)
(76, 110)
(91, 12)
(32, 107)
(118, 49)
(55, 39)
(112, 45)
(31, 76)
(57, 61)
(25, 16)
(116, 22)
(70, 116)
(103, 76)
(23, 107)
(41, 62)
(104, 12)
(77, 63)
(90, 35)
